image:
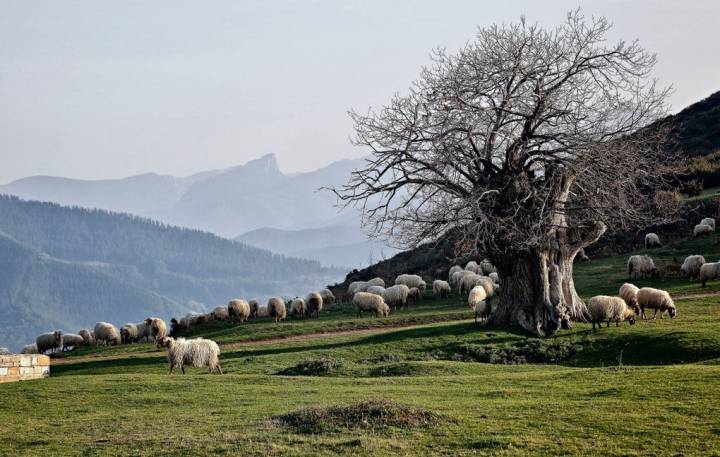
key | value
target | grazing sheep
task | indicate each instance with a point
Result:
(50, 341)
(456, 277)
(376, 282)
(411, 281)
(397, 296)
(327, 296)
(628, 292)
(87, 336)
(297, 307)
(313, 304)
(220, 313)
(238, 309)
(482, 310)
(106, 334)
(641, 265)
(441, 289)
(691, 266)
(144, 332)
(276, 309)
(365, 301)
(30, 349)
(708, 271)
(652, 241)
(128, 333)
(476, 295)
(454, 269)
(487, 284)
(254, 308)
(197, 352)
(709, 221)
(702, 230)
(376, 290)
(486, 267)
(603, 308)
(655, 299)
(157, 326)
(473, 266)
(414, 295)
(357, 286)
(468, 282)
(72, 340)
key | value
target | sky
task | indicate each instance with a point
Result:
(100, 89)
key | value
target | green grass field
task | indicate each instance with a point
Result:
(648, 389)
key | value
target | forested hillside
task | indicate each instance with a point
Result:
(66, 267)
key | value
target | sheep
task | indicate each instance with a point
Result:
(691, 266)
(494, 277)
(376, 282)
(486, 267)
(456, 278)
(702, 230)
(411, 281)
(482, 310)
(642, 265)
(144, 332)
(276, 309)
(128, 333)
(376, 290)
(49, 341)
(414, 295)
(397, 295)
(327, 296)
(628, 292)
(313, 304)
(30, 349)
(238, 309)
(656, 299)
(254, 308)
(357, 286)
(365, 301)
(87, 336)
(708, 271)
(454, 269)
(197, 352)
(157, 326)
(652, 241)
(468, 282)
(220, 313)
(487, 284)
(72, 339)
(603, 308)
(297, 307)
(476, 295)
(106, 334)
(441, 289)
(709, 221)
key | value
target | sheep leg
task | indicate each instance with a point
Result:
(182, 368)
(608, 324)
(171, 368)
(655, 314)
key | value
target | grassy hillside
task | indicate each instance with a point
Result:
(648, 389)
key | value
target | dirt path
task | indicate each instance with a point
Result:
(700, 295)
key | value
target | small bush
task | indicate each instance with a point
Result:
(529, 351)
(313, 367)
(370, 415)
(409, 369)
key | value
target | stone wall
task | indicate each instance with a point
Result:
(24, 367)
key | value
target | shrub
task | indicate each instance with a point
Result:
(528, 351)
(313, 367)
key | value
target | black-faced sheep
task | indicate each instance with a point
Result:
(602, 308)
(641, 265)
(652, 241)
(128, 333)
(702, 230)
(313, 304)
(691, 266)
(441, 289)
(327, 296)
(254, 308)
(276, 309)
(239, 310)
(157, 326)
(628, 292)
(656, 299)
(374, 304)
(106, 334)
(397, 296)
(197, 352)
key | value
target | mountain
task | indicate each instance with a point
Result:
(339, 245)
(68, 268)
(697, 127)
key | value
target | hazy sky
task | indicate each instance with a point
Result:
(98, 89)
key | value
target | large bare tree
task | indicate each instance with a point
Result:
(526, 142)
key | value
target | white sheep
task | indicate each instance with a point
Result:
(157, 326)
(482, 310)
(374, 304)
(414, 295)
(652, 241)
(641, 265)
(691, 266)
(476, 295)
(376, 290)
(487, 284)
(197, 352)
(313, 304)
(128, 333)
(297, 307)
(376, 282)
(709, 221)
(468, 282)
(50, 341)
(254, 308)
(473, 267)
(602, 308)
(87, 336)
(220, 313)
(106, 334)
(144, 332)
(628, 292)
(655, 299)
(357, 286)
(30, 349)
(708, 271)
(276, 309)
(238, 309)
(411, 281)
(327, 296)
(486, 267)
(457, 277)
(702, 230)
(397, 296)
(72, 340)
(454, 269)
(495, 277)
(441, 289)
